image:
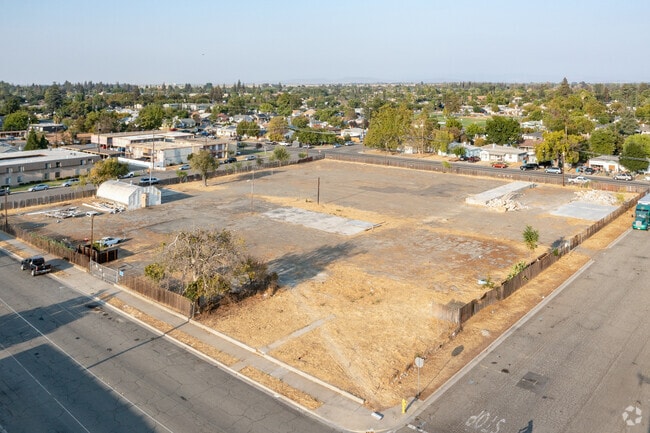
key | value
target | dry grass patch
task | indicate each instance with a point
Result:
(281, 388)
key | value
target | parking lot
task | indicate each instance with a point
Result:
(367, 293)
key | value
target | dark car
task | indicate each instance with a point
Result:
(4, 189)
(529, 166)
(230, 160)
(588, 170)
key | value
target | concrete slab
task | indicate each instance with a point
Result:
(484, 197)
(319, 221)
(584, 210)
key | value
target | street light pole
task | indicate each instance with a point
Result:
(92, 241)
(6, 216)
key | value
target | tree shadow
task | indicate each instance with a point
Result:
(296, 268)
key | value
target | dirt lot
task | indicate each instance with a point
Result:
(356, 310)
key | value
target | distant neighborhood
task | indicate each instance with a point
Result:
(61, 130)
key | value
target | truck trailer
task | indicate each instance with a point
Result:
(642, 214)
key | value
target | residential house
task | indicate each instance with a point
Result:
(606, 163)
(496, 152)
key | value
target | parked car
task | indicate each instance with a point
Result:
(230, 160)
(4, 189)
(31, 261)
(129, 174)
(70, 182)
(554, 170)
(529, 166)
(623, 176)
(499, 165)
(184, 167)
(588, 170)
(108, 241)
(250, 157)
(39, 187)
(36, 265)
(149, 180)
(578, 180)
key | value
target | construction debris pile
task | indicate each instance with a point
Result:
(596, 196)
(106, 207)
(70, 212)
(506, 203)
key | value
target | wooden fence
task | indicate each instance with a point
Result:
(152, 291)
(460, 314)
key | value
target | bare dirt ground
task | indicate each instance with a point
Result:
(356, 310)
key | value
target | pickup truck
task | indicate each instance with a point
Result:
(36, 265)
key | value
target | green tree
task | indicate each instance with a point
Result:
(277, 128)
(473, 130)
(281, 154)
(503, 130)
(636, 151)
(204, 163)
(531, 237)
(388, 128)
(603, 142)
(105, 169)
(10, 105)
(53, 98)
(452, 102)
(556, 145)
(627, 125)
(17, 121)
(249, 129)
(151, 117)
(155, 271)
(300, 122)
(34, 141)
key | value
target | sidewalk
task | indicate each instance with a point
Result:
(337, 407)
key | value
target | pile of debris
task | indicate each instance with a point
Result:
(596, 196)
(506, 203)
(59, 214)
(106, 207)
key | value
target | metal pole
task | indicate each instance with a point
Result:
(6, 216)
(92, 229)
(318, 192)
(252, 188)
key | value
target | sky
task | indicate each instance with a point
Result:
(323, 42)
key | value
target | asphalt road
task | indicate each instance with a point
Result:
(580, 364)
(69, 365)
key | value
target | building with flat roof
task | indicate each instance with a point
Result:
(18, 168)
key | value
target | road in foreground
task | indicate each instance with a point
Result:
(67, 364)
(580, 364)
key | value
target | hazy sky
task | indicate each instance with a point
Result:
(330, 41)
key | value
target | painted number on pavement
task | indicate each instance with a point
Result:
(485, 423)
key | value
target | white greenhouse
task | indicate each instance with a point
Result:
(129, 195)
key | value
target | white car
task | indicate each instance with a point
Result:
(108, 241)
(623, 176)
(578, 179)
(70, 182)
(39, 187)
